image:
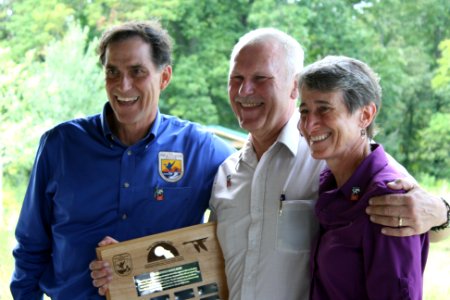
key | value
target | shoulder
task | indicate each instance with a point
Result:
(380, 180)
(73, 128)
(231, 160)
(193, 133)
(77, 124)
(180, 126)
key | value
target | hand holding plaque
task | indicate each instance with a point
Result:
(181, 264)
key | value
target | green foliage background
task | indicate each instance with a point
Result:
(49, 71)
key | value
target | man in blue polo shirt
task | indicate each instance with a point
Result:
(127, 172)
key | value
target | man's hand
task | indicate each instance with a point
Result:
(406, 214)
(101, 272)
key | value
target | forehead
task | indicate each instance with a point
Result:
(259, 57)
(314, 96)
(130, 51)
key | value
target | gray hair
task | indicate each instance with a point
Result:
(294, 51)
(357, 81)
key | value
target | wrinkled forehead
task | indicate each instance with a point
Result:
(258, 57)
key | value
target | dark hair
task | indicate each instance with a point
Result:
(357, 81)
(150, 32)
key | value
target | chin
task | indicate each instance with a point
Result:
(318, 155)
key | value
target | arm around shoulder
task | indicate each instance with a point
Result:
(418, 210)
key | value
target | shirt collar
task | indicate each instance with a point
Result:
(364, 173)
(362, 176)
(289, 137)
(107, 130)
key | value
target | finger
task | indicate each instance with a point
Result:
(392, 200)
(390, 221)
(101, 274)
(107, 240)
(100, 282)
(400, 232)
(98, 265)
(401, 184)
(102, 290)
(389, 211)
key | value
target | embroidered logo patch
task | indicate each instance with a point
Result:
(171, 166)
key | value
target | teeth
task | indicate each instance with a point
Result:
(127, 99)
(319, 138)
(250, 104)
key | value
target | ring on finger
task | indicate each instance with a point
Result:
(400, 221)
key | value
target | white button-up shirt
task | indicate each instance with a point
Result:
(265, 215)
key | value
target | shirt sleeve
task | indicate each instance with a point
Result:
(33, 234)
(393, 265)
(220, 150)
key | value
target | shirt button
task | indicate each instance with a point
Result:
(126, 185)
(129, 152)
(124, 216)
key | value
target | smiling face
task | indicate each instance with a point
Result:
(261, 92)
(133, 84)
(332, 132)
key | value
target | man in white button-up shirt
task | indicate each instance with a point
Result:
(263, 196)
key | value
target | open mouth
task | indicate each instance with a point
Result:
(318, 138)
(127, 100)
(250, 104)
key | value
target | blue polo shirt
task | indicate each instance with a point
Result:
(85, 184)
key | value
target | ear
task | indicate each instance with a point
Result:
(368, 113)
(294, 90)
(166, 75)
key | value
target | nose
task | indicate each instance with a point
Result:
(246, 88)
(308, 123)
(125, 83)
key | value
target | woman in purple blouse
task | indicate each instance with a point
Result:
(352, 259)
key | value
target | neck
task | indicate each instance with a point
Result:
(344, 166)
(262, 139)
(127, 134)
(262, 143)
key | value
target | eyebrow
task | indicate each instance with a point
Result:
(111, 66)
(317, 102)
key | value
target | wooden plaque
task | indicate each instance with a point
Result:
(181, 264)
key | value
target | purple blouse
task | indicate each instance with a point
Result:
(352, 259)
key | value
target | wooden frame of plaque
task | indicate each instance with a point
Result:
(186, 263)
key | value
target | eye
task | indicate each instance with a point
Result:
(236, 79)
(260, 78)
(111, 73)
(323, 109)
(138, 72)
(303, 113)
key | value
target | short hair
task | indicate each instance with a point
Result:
(357, 81)
(294, 51)
(151, 32)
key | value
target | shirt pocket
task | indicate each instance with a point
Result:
(297, 225)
